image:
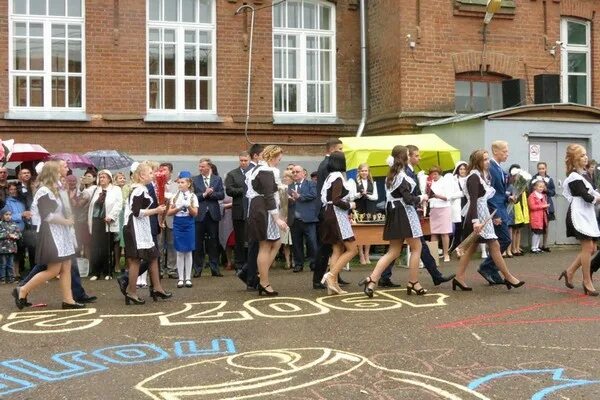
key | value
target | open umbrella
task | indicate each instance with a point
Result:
(73, 160)
(27, 152)
(109, 159)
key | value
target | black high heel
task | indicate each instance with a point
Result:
(160, 295)
(510, 285)
(411, 287)
(462, 287)
(72, 306)
(136, 301)
(365, 282)
(20, 303)
(567, 283)
(589, 292)
(263, 290)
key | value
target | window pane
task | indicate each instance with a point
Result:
(36, 91)
(58, 55)
(310, 16)
(577, 62)
(480, 89)
(576, 33)
(20, 54)
(311, 97)
(277, 96)
(292, 41)
(325, 66)
(169, 94)
(205, 59)
(154, 35)
(462, 88)
(74, 8)
(205, 11)
(154, 59)
(36, 30)
(58, 31)
(74, 56)
(190, 36)
(311, 65)
(311, 42)
(496, 96)
(154, 10)
(190, 95)
(204, 37)
(36, 54)
(74, 91)
(279, 15)
(170, 10)
(154, 91)
(205, 95)
(169, 35)
(188, 10)
(325, 43)
(20, 29)
(20, 91)
(74, 31)
(578, 89)
(58, 91)
(462, 98)
(19, 7)
(292, 59)
(57, 7)
(277, 41)
(325, 98)
(169, 60)
(37, 7)
(325, 18)
(292, 98)
(277, 63)
(293, 14)
(190, 61)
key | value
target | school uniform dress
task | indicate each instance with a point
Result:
(137, 231)
(478, 191)
(581, 215)
(335, 196)
(184, 226)
(401, 218)
(56, 242)
(366, 204)
(263, 197)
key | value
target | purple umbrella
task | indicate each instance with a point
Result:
(73, 160)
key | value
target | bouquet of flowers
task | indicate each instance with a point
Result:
(521, 181)
(472, 238)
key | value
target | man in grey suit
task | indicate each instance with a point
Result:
(209, 190)
(235, 187)
(303, 218)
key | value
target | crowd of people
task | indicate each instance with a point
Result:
(191, 220)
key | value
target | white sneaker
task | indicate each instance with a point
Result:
(93, 278)
(107, 278)
(179, 284)
(188, 283)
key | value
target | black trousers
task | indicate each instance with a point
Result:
(239, 227)
(101, 246)
(252, 264)
(207, 237)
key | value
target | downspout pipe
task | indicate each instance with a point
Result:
(363, 68)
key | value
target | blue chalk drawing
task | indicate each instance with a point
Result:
(557, 376)
(74, 362)
(131, 354)
(189, 348)
(10, 384)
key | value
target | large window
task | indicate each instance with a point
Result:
(46, 55)
(576, 61)
(181, 56)
(304, 58)
(475, 92)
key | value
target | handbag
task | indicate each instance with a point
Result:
(29, 236)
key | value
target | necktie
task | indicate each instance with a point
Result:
(206, 181)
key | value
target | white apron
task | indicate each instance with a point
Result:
(583, 214)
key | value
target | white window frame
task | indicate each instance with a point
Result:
(180, 113)
(575, 48)
(47, 111)
(301, 79)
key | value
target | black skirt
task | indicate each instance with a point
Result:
(131, 250)
(572, 232)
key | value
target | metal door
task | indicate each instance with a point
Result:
(552, 151)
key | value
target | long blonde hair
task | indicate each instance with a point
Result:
(574, 152)
(361, 166)
(50, 176)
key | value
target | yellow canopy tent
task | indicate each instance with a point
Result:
(374, 151)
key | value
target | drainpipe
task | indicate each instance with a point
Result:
(363, 68)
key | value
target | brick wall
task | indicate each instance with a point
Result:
(116, 88)
(405, 82)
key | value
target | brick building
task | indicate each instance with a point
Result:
(169, 76)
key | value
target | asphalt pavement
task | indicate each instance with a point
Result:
(218, 341)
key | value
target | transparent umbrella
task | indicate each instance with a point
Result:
(109, 159)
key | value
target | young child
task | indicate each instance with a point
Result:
(9, 234)
(184, 206)
(538, 214)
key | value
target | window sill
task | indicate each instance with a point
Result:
(48, 115)
(160, 117)
(306, 120)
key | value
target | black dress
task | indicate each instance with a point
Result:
(261, 225)
(401, 218)
(334, 228)
(137, 232)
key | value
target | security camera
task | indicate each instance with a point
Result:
(559, 43)
(408, 36)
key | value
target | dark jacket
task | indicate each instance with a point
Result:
(306, 207)
(209, 204)
(235, 187)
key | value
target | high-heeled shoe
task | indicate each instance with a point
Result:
(263, 291)
(510, 285)
(457, 284)
(333, 287)
(138, 301)
(589, 292)
(367, 289)
(567, 283)
(160, 295)
(411, 287)
(72, 306)
(20, 303)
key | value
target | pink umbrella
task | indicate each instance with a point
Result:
(73, 160)
(27, 152)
